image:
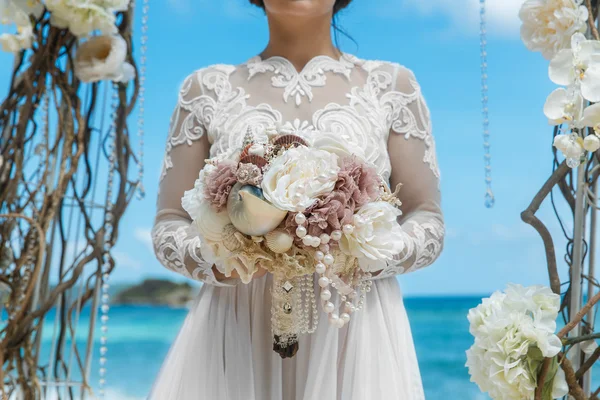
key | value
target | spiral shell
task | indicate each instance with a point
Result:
(288, 140)
(254, 159)
(244, 152)
(230, 239)
(279, 241)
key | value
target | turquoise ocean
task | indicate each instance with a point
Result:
(140, 336)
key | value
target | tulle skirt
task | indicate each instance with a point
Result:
(224, 351)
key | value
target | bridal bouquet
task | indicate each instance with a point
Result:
(295, 209)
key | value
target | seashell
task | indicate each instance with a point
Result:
(289, 140)
(279, 241)
(250, 213)
(254, 159)
(230, 239)
(257, 150)
(244, 152)
(210, 224)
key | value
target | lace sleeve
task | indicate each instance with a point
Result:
(411, 147)
(176, 242)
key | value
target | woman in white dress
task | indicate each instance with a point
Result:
(303, 82)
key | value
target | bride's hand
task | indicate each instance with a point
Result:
(234, 274)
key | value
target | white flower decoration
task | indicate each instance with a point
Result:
(333, 143)
(569, 145)
(295, 179)
(113, 5)
(13, 12)
(579, 65)
(103, 57)
(81, 17)
(591, 143)
(513, 332)
(564, 106)
(591, 117)
(549, 24)
(377, 236)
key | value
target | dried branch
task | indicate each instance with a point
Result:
(528, 216)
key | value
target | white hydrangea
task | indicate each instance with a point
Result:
(510, 330)
(549, 24)
(85, 17)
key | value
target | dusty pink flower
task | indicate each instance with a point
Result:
(358, 181)
(220, 182)
(356, 186)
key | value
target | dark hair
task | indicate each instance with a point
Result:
(339, 5)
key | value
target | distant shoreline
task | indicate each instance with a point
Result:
(153, 292)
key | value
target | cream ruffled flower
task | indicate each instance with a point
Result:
(376, 236)
(513, 332)
(334, 143)
(579, 65)
(295, 179)
(103, 57)
(549, 24)
(82, 17)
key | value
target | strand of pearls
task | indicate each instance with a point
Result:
(104, 308)
(141, 192)
(489, 194)
(327, 279)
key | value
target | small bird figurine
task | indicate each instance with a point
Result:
(250, 213)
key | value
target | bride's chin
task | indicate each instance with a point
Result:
(299, 8)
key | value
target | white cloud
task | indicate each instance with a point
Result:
(124, 260)
(502, 15)
(143, 235)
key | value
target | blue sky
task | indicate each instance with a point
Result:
(484, 248)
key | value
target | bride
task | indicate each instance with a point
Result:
(303, 82)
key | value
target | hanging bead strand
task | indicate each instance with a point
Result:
(489, 194)
(104, 308)
(142, 97)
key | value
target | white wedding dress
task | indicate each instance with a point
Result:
(224, 349)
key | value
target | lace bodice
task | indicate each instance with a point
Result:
(376, 106)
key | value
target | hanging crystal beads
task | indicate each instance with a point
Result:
(489, 194)
(104, 308)
(142, 97)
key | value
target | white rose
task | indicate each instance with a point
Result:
(376, 236)
(103, 57)
(333, 143)
(296, 179)
(549, 24)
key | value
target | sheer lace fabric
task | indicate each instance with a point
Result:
(361, 101)
(224, 349)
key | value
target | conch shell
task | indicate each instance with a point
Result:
(279, 241)
(250, 213)
(231, 238)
